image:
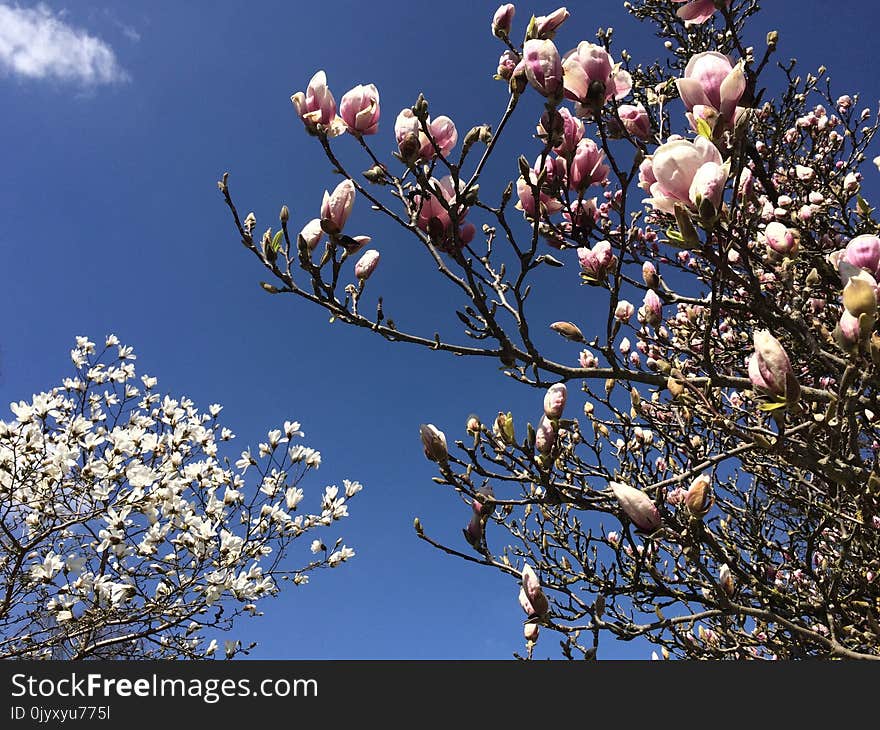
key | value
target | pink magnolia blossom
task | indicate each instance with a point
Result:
(587, 166)
(531, 596)
(584, 214)
(848, 331)
(652, 308)
(770, 369)
(638, 506)
(624, 311)
(336, 207)
(634, 118)
(366, 264)
(312, 233)
(507, 63)
(359, 109)
(697, 12)
(547, 25)
(677, 168)
(481, 510)
(591, 75)
(434, 218)
(502, 20)
(414, 144)
(554, 400)
(568, 128)
(780, 239)
(543, 66)
(545, 435)
(317, 107)
(596, 262)
(711, 80)
(864, 251)
(554, 179)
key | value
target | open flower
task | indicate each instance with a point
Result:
(686, 172)
(317, 107)
(414, 144)
(711, 80)
(697, 12)
(592, 77)
(434, 215)
(596, 262)
(359, 109)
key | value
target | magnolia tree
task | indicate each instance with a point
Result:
(123, 534)
(711, 484)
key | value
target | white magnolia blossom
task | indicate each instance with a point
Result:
(123, 532)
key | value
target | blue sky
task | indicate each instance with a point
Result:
(112, 222)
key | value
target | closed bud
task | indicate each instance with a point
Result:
(545, 436)
(699, 498)
(366, 265)
(434, 443)
(531, 597)
(725, 580)
(530, 632)
(568, 330)
(859, 298)
(638, 506)
(649, 275)
(284, 215)
(472, 425)
(554, 400)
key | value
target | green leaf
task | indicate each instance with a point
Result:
(276, 241)
(674, 235)
(703, 128)
(772, 406)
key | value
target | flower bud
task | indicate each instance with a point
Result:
(699, 498)
(568, 330)
(502, 20)
(472, 425)
(638, 506)
(434, 443)
(848, 332)
(503, 428)
(782, 240)
(336, 207)
(864, 251)
(530, 632)
(545, 436)
(531, 597)
(547, 25)
(366, 265)
(312, 233)
(649, 275)
(725, 580)
(543, 66)
(554, 400)
(770, 369)
(652, 308)
(859, 297)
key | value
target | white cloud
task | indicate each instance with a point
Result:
(36, 43)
